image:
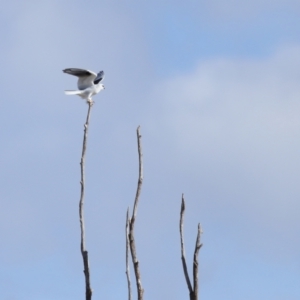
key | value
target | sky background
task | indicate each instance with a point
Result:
(214, 86)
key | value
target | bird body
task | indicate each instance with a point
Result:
(89, 83)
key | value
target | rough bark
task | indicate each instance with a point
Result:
(84, 252)
(140, 290)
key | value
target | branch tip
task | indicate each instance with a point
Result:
(182, 205)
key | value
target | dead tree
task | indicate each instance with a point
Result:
(193, 289)
(84, 252)
(130, 222)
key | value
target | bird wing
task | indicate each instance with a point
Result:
(99, 77)
(85, 77)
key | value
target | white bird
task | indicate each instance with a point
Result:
(89, 83)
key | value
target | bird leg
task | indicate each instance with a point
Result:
(90, 101)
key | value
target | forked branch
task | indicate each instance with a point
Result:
(140, 290)
(194, 291)
(84, 252)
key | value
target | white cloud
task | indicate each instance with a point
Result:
(235, 125)
(235, 98)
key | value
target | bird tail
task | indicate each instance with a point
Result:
(72, 92)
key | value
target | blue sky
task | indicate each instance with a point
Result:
(215, 88)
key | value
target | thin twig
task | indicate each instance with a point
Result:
(140, 290)
(195, 264)
(84, 252)
(186, 275)
(127, 250)
(140, 181)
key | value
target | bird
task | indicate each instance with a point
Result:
(89, 83)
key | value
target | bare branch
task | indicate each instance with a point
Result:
(140, 290)
(193, 291)
(140, 181)
(195, 263)
(84, 252)
(127, 250)
(185, 271)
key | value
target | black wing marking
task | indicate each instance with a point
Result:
(99, 77)
(77, 72)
